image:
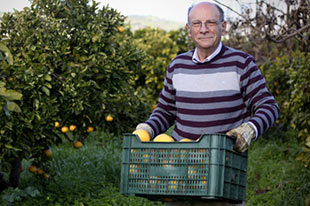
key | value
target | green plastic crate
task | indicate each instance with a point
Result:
(208, 169)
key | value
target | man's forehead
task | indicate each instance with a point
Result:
(206, 8)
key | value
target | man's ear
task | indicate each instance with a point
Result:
(224, 26)
(188, 30)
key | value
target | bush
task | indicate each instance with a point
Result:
(87, 176)
(288, 78)
(73, 63)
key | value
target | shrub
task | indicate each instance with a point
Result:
(73, 63)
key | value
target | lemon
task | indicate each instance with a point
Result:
(90, 129)
(121, 29)
(72, 127)
(57, 124)
(143, 135)
(109, 118)
(163, 138)
(77, 144)
(48, 152)
(40, 171)
(186, 140)
(33, 169)
(64, 129)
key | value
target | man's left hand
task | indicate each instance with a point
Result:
(244, 134)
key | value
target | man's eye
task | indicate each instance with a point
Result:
(196, 23)
(212, 23)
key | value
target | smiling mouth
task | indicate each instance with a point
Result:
(205, 38)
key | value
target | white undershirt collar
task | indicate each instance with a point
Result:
(196, 59)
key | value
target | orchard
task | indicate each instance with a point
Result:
(67, 63)
(69, 69)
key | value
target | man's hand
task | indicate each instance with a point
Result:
(244, 134)
(146, 127)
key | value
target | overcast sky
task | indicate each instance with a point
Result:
(175, 10)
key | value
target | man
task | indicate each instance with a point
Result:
(212, 89)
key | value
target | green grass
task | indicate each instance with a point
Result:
(90, 176)
(274, 175)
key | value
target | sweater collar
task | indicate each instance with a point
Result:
(196, 59)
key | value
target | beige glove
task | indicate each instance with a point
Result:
(244, 134)
(145, 127)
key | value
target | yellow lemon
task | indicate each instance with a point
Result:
(64, 129)
(72, 127)
(33, 169)
(163, 138)
(143, 135)
(109, 118)
(186, 140)
(40, 171)
(77, 144)
(121, 29)
(90, 129)
(57, 124)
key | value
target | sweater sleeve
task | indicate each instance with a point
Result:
(163, 117)
(259, 101)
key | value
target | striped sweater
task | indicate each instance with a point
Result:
(213, 97)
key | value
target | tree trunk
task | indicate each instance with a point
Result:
(14, 175)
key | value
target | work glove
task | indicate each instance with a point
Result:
(244, 134)
(145, 127)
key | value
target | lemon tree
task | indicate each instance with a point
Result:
(160, 50)
(74, 65)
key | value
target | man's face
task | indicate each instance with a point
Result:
(206, 27)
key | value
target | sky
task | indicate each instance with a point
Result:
(174, 10)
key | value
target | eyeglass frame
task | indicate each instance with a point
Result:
(208, 23)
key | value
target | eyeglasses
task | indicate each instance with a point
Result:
(209, 23)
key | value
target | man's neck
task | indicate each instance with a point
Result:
(205, 56)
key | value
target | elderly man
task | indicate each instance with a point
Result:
(212, 89)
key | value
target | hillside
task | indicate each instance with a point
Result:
(139, 22)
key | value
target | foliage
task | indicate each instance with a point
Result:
(72, 63)
(7, 97)
(181, 38)
(161, 49)
(288, 78)
(89, 176)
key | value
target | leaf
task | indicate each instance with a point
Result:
(10, 94)
(11, 147)
(48, 77)
(36, 103)
(7, 53)
(46, 91)
(13, 107)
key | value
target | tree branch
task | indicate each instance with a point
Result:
(297, 32)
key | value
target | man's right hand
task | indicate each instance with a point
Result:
(146, 127)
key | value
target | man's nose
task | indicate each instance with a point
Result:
(204, 28)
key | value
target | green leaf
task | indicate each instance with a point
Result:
(46, 91)
(11, 147)
(7, 53)
(48, 77)
(10, 94)
(12, 106)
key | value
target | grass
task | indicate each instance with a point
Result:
(90, 176)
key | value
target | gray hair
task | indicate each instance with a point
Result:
(217, 6)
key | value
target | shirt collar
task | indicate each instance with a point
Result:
(196, 59)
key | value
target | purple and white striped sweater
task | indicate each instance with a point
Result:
(213, 97)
